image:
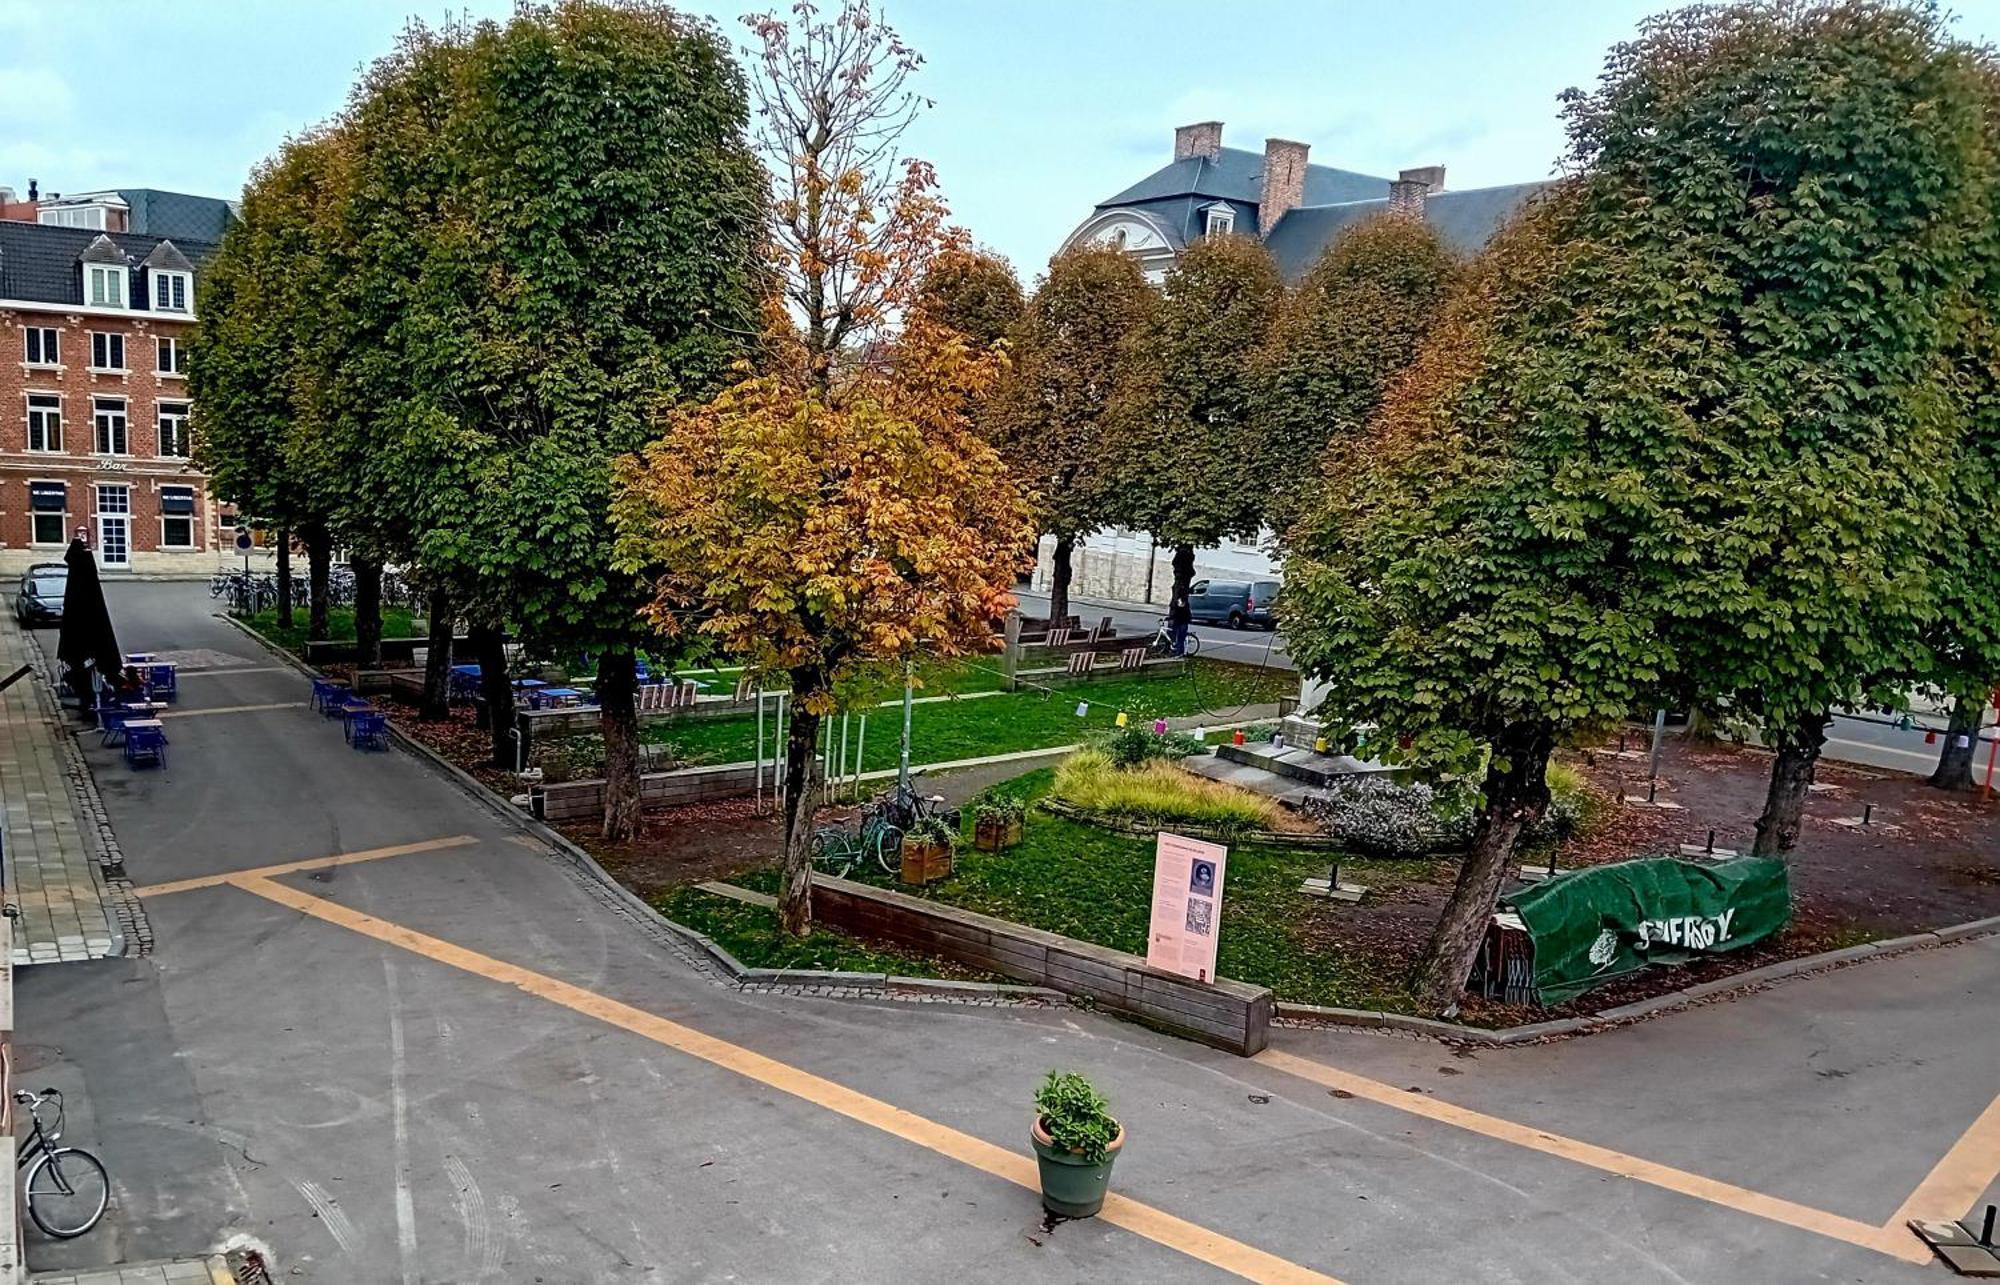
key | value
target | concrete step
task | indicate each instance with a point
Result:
(1301, 764)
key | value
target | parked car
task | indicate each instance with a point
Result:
(1236, 603)
(40, 600)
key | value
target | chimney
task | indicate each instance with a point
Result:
(1407, 192)
(1284, 182)
(1203, 139)
(34, 193)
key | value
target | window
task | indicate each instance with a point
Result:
(107, 351)
(1221, 222)
(49, 503)
(174, 428)
(108, 413)
(170, 291)
(106, 283)
(74, 216)
(173, 359)
(177, 517)
(44, 422)
(42, 346)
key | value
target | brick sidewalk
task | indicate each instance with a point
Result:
(186, 1271)
(52, 862)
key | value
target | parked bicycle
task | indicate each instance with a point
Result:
(67, 1187)
(1163, 642)
(838, 849)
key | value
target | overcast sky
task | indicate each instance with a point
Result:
(1042, 107)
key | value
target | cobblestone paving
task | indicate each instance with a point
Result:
(54, 831)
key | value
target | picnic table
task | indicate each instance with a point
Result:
(138, 657)
(145, 739)
(350, 709)
(162, 677)
(464, 682)
(561, 697)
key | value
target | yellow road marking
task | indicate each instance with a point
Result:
(228, 709)
(1156, 1225)
(1961, 1176)
(1887, 1240)
(309, 863)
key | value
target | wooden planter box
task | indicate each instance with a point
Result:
(996, 836)
(925, 862)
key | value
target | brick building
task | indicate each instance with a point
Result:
(94, 405)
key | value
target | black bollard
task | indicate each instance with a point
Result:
(1711, 843)
(1652, 788)
(1986, 1230)
(1867, 813)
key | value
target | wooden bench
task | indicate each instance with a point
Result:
(1080, 662)
(1131, 658)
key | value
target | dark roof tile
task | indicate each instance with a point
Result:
(38, 261)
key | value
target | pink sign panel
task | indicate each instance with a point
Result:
(1187, 906)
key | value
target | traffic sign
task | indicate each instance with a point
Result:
(243, 541)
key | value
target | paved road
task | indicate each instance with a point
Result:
(1244, 646)
(461, 1064)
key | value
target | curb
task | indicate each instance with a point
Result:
(1314, 1015)
(730, 971)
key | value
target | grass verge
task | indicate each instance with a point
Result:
(751, 933)
(339, 626)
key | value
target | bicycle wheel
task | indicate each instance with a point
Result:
(1192, 645)
(832, 852)
(888, 848)
(67, 1191)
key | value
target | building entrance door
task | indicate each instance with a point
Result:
(114, 526)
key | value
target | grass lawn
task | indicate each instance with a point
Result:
(1084, 882)
(339, 626)
(1023, 720)
(751, 934)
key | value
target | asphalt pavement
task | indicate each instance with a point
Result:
(466, 1062)
(1244, 646)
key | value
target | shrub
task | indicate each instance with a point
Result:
(936, 830)
(1076, 1116)
(1158, 792)
(1570, 805)
(1134, 744)
(1383, 818)
(1000, 811)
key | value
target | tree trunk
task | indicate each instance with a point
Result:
(319, 569)
(437, 659)
(1954, 768)
(489, 646)
(801, 803)
(284, 578)
(1798, 750)
(1060, 571)
(367, 613)
(1180, 607)
(1517, 793)
(618, 719)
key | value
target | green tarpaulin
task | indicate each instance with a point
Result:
(1591, 925)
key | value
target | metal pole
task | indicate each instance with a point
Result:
(1152, 556)
(843, 754)
(1992, 750)
(860, 744)
(759, 804)
(903, 769)
(1659, 732)
(779, 756)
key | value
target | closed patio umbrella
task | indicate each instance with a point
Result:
(86, 641)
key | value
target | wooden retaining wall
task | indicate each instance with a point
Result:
(578, 800)
(1225, 1014)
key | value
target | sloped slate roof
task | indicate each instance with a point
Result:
(1465, 220)
(102, 250)
(167, 257)
(38, 262)
(1237, 175)
(178, 215)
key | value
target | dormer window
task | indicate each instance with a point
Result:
(104, 285)
(1221, 220)
(171, 291)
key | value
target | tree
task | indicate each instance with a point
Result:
(1049, 418)
(1185, 449)
(1465, 580)
(1352, 325)
(1790, 200)
(259, 351)
(826, 539)
(974, 292)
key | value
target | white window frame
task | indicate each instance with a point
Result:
(115, 273)
(180, 414)
(62, 532)
(190, 518)
(51, 337)
(124, 355)
(28, 419)
(97, 429)
(175, 365)
(1221, 222)
(164, 282)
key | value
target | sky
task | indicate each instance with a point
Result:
(1041, 108)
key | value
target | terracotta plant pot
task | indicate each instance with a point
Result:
(1072, 1186)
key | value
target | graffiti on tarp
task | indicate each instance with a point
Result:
(1688, 932)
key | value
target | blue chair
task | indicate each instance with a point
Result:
(111, 722)
(145, 745)
(368, 731)
(163, 681)
(333, 704)
(322, 692)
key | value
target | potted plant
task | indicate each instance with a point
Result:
(927, 850)
(997, 824)
(1076, 1142)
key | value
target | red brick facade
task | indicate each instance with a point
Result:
(93, 459)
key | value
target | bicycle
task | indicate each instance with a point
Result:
(67, 1188)
(906, 808)
(839, 850)
(1163, 642)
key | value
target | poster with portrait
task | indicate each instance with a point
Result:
(1187, 903)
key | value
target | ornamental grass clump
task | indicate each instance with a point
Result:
(1158, 792)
